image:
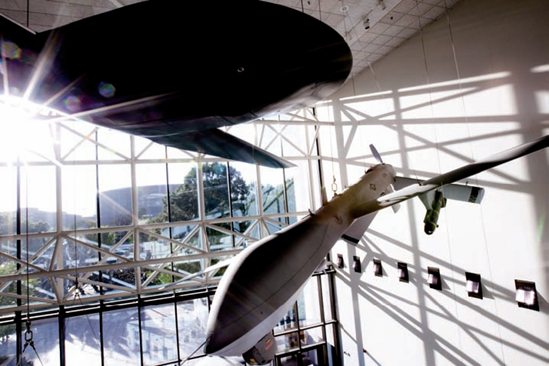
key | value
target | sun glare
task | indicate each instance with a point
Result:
(24, 130)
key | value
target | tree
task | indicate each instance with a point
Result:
(184, 200)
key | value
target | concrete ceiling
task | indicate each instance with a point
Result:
(391, 21)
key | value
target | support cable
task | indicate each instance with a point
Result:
(473, 158)
(439, 166)
(29, 336)
(78, 290)
(196, 350)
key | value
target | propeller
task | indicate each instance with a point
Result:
(376, 154)
(390, 188)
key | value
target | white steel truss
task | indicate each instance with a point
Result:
(68, 263)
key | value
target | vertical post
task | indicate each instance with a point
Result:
(18, 316)
(202, 212)
(139, 307)
(229, 191)
(170, 233)
(101, 341)
(340, 145)
(263, 230)
(337, 332)
(61, 322)
(98, 211)
(58, 254)
(135, 219)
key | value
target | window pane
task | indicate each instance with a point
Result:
(46, 342)
(114, 145)
(288, 322)
(189, 236)
(295, 143)
(219, 240)
(243, 189)
(272, 190)
(311, 358)
(287, 342)
(115, 200)
(118, 277)
(192, 317)
(82, 340)
(311, 336)
(40, 199)
(183, 191)
(9, 247)
(8, 200)
(73, 142)
(8, 345)
(79, 197)
(121, 337)
(297, 186)
(151, 246)
(330, 341)
(326, 296)
(151, 193)
(289, 360)
(216, 192)
(158, 332)
(308, 302)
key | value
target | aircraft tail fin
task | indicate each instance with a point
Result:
(358, 228)
(389, 190)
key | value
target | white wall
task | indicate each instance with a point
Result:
(425, 119)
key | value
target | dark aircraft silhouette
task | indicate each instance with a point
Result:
(162, 70)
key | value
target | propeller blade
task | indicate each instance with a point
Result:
(375, 153)
(389, 189)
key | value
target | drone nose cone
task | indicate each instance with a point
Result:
(390, 169)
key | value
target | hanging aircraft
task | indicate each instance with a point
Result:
(264, 280)
(176, 71)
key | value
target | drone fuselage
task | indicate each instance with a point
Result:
(265, 279)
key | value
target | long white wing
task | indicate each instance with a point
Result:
(462, 173)
(458, 192)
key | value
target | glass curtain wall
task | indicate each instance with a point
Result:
(163, 330)
(90, 217)
(96, 214)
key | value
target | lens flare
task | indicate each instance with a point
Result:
(72, 103)
(106, 90)
(10, 50)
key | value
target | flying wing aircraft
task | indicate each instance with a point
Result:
(159, 70)
(265, 279)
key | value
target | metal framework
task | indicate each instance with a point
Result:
(69, 278)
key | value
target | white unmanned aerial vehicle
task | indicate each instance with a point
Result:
(265, 279)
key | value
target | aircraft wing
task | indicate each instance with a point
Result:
(218, 143)
(458, 192)
(461, 173)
